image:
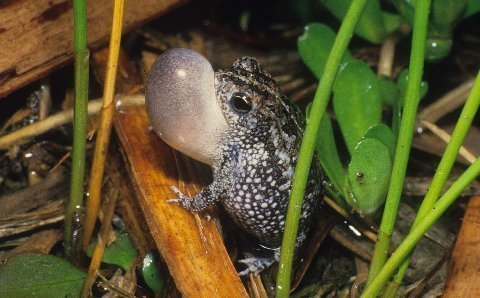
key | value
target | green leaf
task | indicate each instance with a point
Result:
(151, 273)
(437, 48)
(356, 101)
(402, 82)
(368, 176)
(370, 26)
(388, 91)
(121, 252)
(31, 274)
(384, 134)
(328, 155)
(406, 8)
(473, 7)
(444, 15)
(314, 46)
(392, 22)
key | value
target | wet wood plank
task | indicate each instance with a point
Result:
(190, 245)
(36, 36)
(464, 277)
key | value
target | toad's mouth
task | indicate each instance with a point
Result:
(182, 105)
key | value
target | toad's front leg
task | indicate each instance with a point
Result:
(220, 187)
(206, 198)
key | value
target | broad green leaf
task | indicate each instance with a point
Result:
(370, 26)
(473, 7)
(368, 176)
(444, 15)
(388, 91)
(121, 252)
(392, 21)
(36, 275)
(437, 48)
(151, 273)
(402, 83)
(328, 155)
(406, 8)
(356, 101)
(384, 134)
(314, 46)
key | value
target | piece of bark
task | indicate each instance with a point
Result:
(128, 79)
(463, 279)
(40, 242)
(190, 244)
(36, 36)
(23, 222)
(36, 195)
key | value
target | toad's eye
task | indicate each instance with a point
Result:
(241, 103)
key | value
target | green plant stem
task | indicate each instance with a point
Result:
(404, 249)
(404, 143)
(443, 171)
(79, 121)
(302, 169)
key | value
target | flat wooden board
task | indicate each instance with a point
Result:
(36, 36)
(191, 245)
(464, 275)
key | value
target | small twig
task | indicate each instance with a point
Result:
(445, 137)
(45, 100)
(22, 135)
(447, 103)
(387, 56)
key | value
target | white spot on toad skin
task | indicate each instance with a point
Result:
(258, 197)
(284, 186)
(251, 213)
(247, 206)
(264, 205)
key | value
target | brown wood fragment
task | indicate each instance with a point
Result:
(36, 36)
(464, 277)
(23, 222)
(128, 79)
(190, 245)
(40, 242)
(36, 195)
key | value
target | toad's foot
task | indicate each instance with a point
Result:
(255, 265)
(182, 200)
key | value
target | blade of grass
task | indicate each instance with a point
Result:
(105, 126)
(405, 248)
(443, 171)
(302, 169)
(79, 121)
(404, 144)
